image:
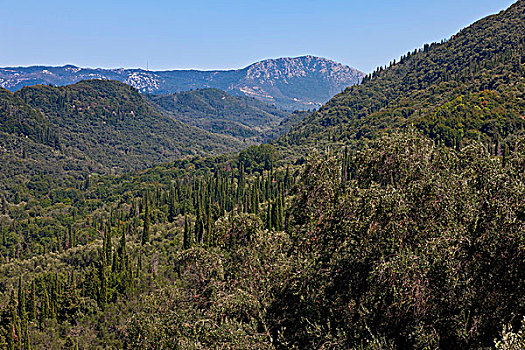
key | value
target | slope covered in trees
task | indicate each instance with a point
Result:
(113, 125)
(469, 87)
(218, 112)
(408, 244)
(106, 127)
(30, 145)
(411, 241)
(19, 119)
(55, 135)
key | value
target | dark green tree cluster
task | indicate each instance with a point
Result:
(410, 244)
(219, 112)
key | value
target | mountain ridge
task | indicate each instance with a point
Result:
(304, 82)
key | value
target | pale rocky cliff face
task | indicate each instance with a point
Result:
(302, 67)
(304, 82)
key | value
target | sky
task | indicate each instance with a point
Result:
(213, 34)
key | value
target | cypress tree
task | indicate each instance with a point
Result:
(145, 230)
(15, 320)
(54, 296)
(186, 238)
(11, 334)
(102, 296)
(171, 205)
(73, 238)
(279, 212)
(287, 179)
(275, 215)
(20, 295)
(32, 304)
(139, 263)
(27, 344)
(269, 216)
(115, 263)
(247, 202)
(21, 303)
(18, 334)
(506, 155)
(45, 313)
(208, 228)
(122, 252)
(199, 230)
(108, 245)
(256, 199)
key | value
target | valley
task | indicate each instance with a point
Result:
(219, 210)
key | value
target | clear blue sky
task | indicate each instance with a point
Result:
(209, 34)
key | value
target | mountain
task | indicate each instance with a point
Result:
(104, 125)
(219, 112)
(290, 83)
(412, 242)
(471, 87)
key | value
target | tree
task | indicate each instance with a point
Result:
(172, 205)
(186, 244)
(32, 303)
(102, 295)
(145, 229)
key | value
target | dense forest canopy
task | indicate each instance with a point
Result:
(392, 218)
(216, 111)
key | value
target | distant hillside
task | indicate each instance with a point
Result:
(104, 125)
(22, 120)
(290, 83)
(216, 111)
(471, 87)
(30, 145)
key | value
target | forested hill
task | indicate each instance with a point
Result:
(30, 144)
(469, 87)
(106, 123)
(20, 119)
(407, 243)
(219, 112)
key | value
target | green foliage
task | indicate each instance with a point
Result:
(419, 247)
(112, 124)
(408, 242)
(218, 112)
(405, 244)
(511, 340)
(20, 119)
(470, 87)
(258, 158)
(50, 135)
(49, 234)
